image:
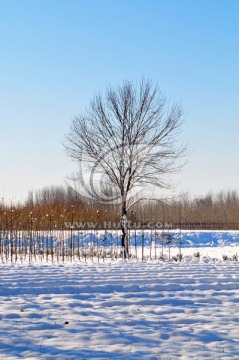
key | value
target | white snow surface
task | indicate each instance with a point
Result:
(122, 310)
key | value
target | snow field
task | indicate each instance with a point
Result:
(101, 246)
(131, 310)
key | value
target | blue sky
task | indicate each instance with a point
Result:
(56, 54)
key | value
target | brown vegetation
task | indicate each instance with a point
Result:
(54, 207)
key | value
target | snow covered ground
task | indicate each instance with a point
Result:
(122, 310)
(23, 247)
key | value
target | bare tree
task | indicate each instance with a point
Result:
(128, 141)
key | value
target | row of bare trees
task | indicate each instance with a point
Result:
(61, 208)
(49, 225)
(54, 246)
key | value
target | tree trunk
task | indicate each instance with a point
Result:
(124, 229)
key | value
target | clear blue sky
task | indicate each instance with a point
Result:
(55, 54)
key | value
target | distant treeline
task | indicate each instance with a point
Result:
(55, 207)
